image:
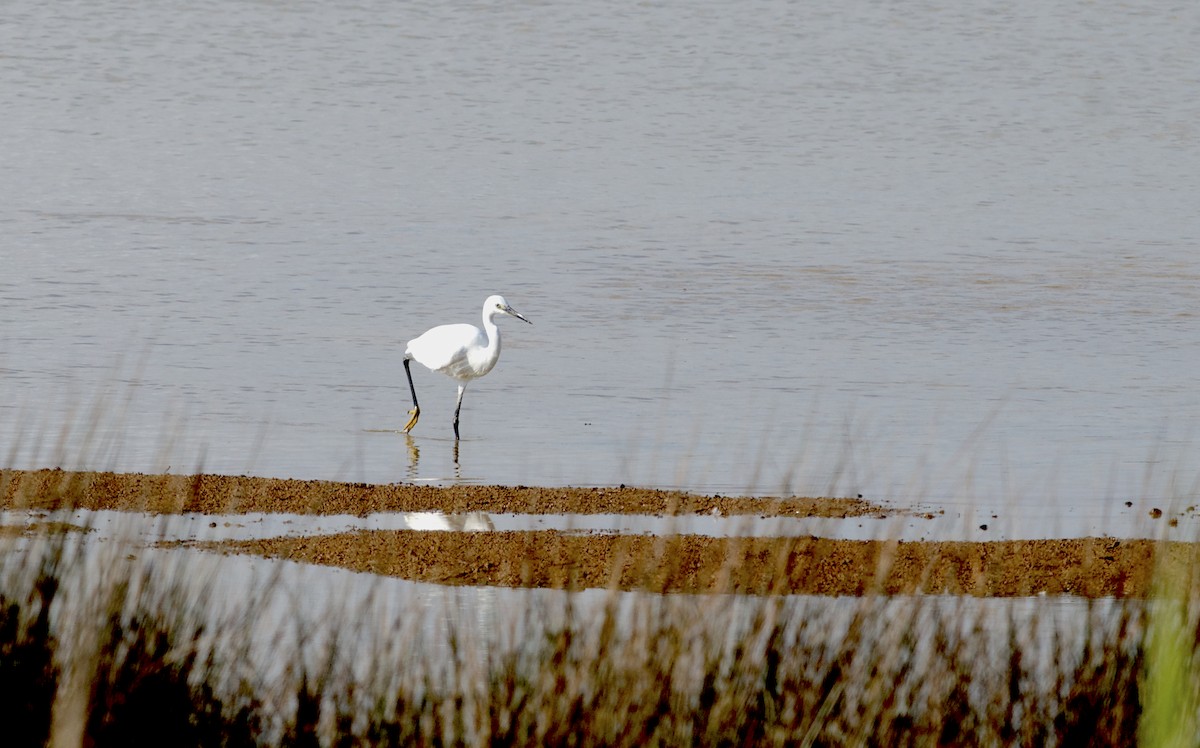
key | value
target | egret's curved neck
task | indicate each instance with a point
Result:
(492, 331)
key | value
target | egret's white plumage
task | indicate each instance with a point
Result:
(461, 351)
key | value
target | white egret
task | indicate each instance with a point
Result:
(463, 352)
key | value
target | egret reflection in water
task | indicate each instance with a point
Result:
(414, 458)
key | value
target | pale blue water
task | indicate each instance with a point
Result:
(908, 251)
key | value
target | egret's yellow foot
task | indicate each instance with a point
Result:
(414, 415)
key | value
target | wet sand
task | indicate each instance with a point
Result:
(1089, 567)
(221, 494)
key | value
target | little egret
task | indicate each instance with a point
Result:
(462, 351)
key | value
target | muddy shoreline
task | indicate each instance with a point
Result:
(1088, 567)
(223, 494)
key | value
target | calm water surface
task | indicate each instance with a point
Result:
(916, 252)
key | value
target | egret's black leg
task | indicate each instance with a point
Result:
(461, 389)
(415, 413)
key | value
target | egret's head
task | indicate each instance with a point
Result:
(497, 305)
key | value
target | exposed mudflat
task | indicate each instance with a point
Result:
(1089, 567)
(222, 494)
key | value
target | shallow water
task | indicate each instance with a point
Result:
(920, 254)
(962, 523)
